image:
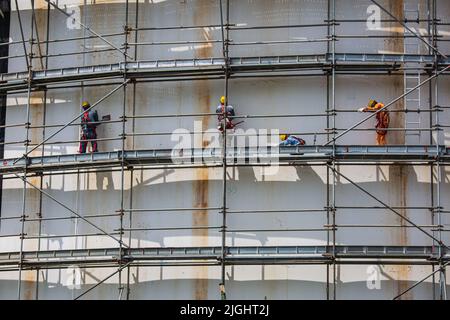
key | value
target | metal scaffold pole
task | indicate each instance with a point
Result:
(225, 44)
(27, 136)
(130, 213)
(441, 248)
(434, 85)
(131, 65)
(431, 39)
(87, 28)
(329, 112)
(123, 147)
(333, 123)
(44, 65)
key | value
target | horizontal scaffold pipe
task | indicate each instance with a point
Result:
(244, 156)
(263, 254)
(189, 67)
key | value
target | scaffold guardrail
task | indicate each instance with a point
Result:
(237, 155)
(234, 253)
(236, 64)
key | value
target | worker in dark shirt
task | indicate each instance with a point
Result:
(89, 122)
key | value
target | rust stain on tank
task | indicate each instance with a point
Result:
(403, 271)
(201, 195)
(41, 33)
(129, 141)
(35, 136)
(33, 195)
(200, 218)
(40, 5)
(396, 45)
(398, 177)
(29, 278)
(36, 119)
(201, 13)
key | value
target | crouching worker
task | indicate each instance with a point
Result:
(224, 111)
(89, 122)
(289, 140)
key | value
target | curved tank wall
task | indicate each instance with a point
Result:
(303, 187)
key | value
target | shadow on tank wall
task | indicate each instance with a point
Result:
(240, 290)
(305, 190)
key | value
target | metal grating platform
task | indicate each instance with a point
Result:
(189, 67)
(234, 254)
(245, 156)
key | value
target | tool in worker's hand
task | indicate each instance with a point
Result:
(235, 124)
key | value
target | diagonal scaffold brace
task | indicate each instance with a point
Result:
(389, 208)
(24, 179)
(441, 269)
(88, 28)
(406, 93)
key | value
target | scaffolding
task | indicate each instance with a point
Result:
(420, 69)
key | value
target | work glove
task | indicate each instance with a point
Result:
(361, 109)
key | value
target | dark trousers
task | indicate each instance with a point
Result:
(85, 137)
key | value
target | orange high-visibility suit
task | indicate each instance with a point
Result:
(382, 120)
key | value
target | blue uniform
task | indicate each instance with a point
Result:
(291, 141)
(87, 118)
(88, 131)
(229, 113)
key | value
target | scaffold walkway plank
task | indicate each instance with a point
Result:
(245, 156)
(385, 58)
(243, 253)
(185, 67)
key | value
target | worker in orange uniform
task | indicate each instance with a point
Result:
(382, 120)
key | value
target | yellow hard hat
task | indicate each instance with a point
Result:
(222, 99)
(372, 103)
(283, 137)
(85, 104)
